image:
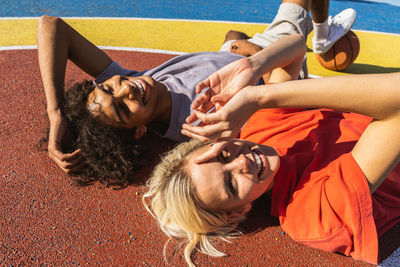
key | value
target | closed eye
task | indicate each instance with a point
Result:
(106, 89)
(223, 157)
(109, 89)
(230, 184)
(125, 109)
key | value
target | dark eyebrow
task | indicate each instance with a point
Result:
(101, 87)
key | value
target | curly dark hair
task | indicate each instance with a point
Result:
(112, 154)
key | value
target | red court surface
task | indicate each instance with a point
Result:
(45, 220)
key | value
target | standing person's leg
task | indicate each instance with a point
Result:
(319, 10)
(328, 30)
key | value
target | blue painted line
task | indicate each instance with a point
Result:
(373, 15)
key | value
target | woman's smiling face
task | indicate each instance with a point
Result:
(126, 102)
(237, 177)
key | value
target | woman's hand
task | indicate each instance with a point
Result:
(223, 85)
(59, 133)
(285, 54)
(224, 124)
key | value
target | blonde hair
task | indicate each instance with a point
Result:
(172, 200)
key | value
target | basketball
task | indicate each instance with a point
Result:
(342, 54)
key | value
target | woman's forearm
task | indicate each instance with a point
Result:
(52, 55)
(58, 42)
(374, 95)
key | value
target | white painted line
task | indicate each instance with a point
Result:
(165, 19)
(17, 18)
(137, 49)
(20, 47)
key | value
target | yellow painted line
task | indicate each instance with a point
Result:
(166, 35)
(18, 32)
(376, 55)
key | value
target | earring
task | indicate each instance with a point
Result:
(140, 131)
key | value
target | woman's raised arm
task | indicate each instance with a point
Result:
(57, 42)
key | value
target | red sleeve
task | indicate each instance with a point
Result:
(330, 209)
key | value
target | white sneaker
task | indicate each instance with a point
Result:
(339, 25)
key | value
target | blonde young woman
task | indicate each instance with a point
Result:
(333, 175)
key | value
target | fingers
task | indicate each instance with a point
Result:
(191, 118)
(67, 157)
(206, 133)
(201, 100)
(211, 153)
(207, 118)
(202, 85)
(205, 108)
(68, 162)
(78, 166)
(194, 135)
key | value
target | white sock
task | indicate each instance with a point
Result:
(321, 31)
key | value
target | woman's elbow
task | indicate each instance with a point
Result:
(48, 24)
(46, 20)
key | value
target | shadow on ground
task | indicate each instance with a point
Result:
(357, 68)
